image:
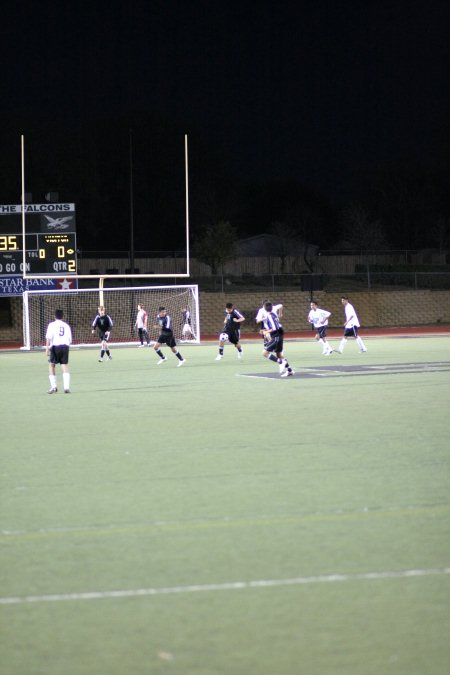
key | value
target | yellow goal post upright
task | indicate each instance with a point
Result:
(120, 303)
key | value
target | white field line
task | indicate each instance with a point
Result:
(226, 586)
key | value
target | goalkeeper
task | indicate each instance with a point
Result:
(103, 323)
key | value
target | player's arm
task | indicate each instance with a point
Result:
(239, 318)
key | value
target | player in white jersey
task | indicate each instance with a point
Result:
(351, 326)
(319, 319)
(186, 326)
(262, 313)
(261, 316)
(141, 324)
(58, 339)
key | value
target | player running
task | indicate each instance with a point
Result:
(319, 319)
(273, 341)
(166, 337)
(231, 332)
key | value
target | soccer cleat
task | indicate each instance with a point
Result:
(181, 363)
(219, 356)
(161, 361)
(288, 373)
(361, 351)
(67, 391)
(109, 358)
(52, 390)
(140, 346)
(240, 355)
(100, 360)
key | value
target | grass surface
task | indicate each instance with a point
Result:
(156, 477)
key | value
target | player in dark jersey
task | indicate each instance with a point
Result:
(231, 331)
(273, 341)
(103, 323)
(166, 337)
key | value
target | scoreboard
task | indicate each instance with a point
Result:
(50, 241)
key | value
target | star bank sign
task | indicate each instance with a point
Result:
(10, 286)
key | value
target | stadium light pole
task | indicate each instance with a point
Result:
(131, 208)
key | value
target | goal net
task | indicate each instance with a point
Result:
(80, 309)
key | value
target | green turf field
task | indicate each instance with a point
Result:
(196, 521)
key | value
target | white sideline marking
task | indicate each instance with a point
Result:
(227, 586)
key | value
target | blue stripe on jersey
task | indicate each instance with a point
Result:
(272, 321)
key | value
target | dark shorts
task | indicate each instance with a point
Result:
(275, 345)
(104, 336)
(351, 332)
(233, 336)
(321, 331)
(59, 354)
(167, 339)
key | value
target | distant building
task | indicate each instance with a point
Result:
(271, 245)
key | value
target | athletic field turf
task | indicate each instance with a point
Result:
(210, 520)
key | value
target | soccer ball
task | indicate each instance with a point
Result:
(223, 337)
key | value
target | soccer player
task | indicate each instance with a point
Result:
(103, 323)
(273, 341)
(58, 339)
(319, 319)
(186, 322)
(141, 325)
(231, 332)
(262, 314)
(166, 337)
(351, 326)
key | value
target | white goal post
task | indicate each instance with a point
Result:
(80, 309)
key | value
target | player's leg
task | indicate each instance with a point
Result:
(102, 348)
(223, 337)
(105, 348)
(359, 341)
(174, 349)
(66, 377)
(157, 349)
(52, 376)
(239, 349)
(285, 368)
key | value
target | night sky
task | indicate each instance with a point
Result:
(315, 94)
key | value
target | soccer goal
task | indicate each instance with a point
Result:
(80, 308)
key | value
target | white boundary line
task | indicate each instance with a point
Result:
(226, 586)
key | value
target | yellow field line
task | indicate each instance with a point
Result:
(162, 527)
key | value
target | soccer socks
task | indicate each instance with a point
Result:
(160, 354)
(52, 379)
(179, 357)
(221, 351)
(66, 381)
(361, 345)
(342, 344)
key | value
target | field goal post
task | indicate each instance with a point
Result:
(80, 308)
